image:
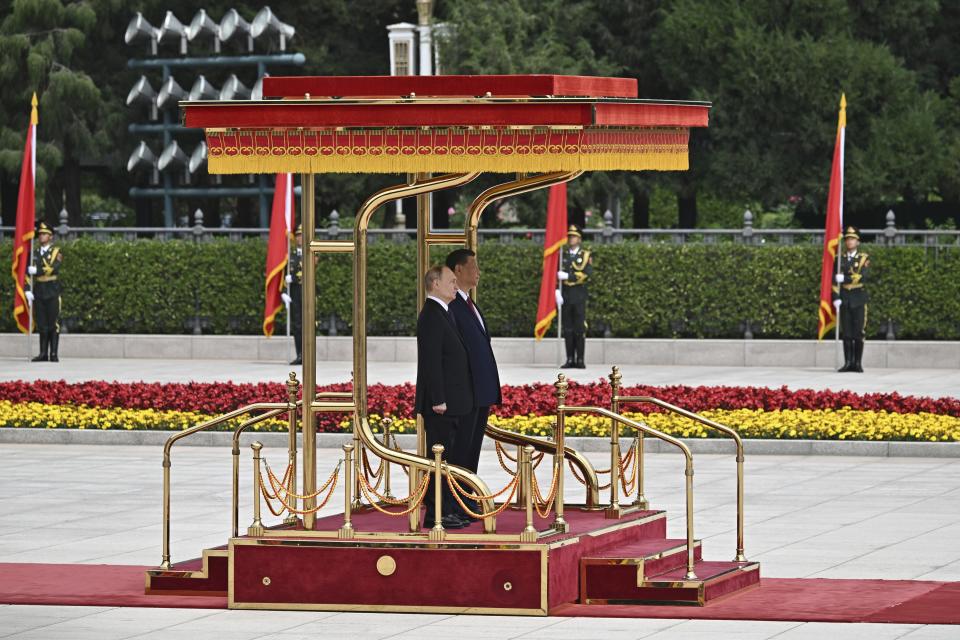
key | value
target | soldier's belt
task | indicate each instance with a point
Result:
(46, 278)
(848, 287)
(567, 283)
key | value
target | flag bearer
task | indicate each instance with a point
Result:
(575, 270)
(853, 273)
(45, 293)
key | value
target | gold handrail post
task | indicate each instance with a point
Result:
(346, 531)
(525, 455)
(165, 559)
(413, 518)
(437, 534)
(235, 498)
(309, 351)
(293, 386)
(688, 472)
(386, 422)
(522, 488)
(559, 523)
(256, 527)
(740, 557)
(614, 511)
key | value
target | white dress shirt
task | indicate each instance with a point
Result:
(439, 302)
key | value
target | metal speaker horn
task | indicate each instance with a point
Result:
(143, 159)
(203, 90)
(170, 94)
(266, 22)
(233, 89)
(142, 94)
(173, 157)
(198, 159)
(204, 24)
(257, 92)
(233, 25)
(139, 30)
(173, 28)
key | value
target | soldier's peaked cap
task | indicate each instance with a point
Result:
(852, 232)
(573, 231)
(44, 228)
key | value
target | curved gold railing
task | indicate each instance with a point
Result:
(688, 470)
(272, 409)
(739, 557)
(523, 184)
(578, 460)
(426, 465)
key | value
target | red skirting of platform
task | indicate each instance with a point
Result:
(802, 600)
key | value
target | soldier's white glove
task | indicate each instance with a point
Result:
(563, 275)
(289, 278)
(32, 270)
(559, 298)
(839, 278)
(286, 298)
(29, 295)
(837, 303)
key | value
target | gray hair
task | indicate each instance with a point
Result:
(432, 277)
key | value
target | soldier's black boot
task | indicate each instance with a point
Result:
(54, 346)
(581, 341)
(44, 346)
(571, 352)
(297, 342)
(857, 356)
(847, 356)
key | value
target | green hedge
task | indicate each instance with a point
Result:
(638, 290)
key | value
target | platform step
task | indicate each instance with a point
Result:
(650, 557)
(204, 576)
(610, 580)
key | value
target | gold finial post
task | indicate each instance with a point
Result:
(346, 531)
(256, 527)
(529, 533)
(614, 511)
(559, 459)
(437, 533)
(293, 386)
(387, 423)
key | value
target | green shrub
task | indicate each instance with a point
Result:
(638, 290)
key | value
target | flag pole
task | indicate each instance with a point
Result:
(30, 304)
(559, 325)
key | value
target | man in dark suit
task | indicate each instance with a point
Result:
(476, 336)
(444, 386)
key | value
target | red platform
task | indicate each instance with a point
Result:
(596, 560)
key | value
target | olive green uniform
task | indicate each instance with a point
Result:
(46, 299)
(853, 296)
(579, 266)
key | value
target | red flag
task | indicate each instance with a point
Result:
(831, 238)
(281, 221)
(555, 238)
(26, 217)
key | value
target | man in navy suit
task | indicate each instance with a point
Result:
(445, 395)
(476, 336)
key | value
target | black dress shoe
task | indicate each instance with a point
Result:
(54, 358)
(40, 358)
(297, 360)
(465, 519)
(449, 521)
(569, 364)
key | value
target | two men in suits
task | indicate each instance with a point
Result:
(445, 391)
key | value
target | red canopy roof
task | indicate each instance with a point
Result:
(446, 123)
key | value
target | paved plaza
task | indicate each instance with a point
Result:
(807, 516)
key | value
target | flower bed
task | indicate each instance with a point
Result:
(755, 412)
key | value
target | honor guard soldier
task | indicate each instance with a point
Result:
(853, 273)
(575, 270)
(45, 293)
(294, 299)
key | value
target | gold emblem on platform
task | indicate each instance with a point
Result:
(386, 565)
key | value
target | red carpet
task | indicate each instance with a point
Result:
(809, 600)
(802, 600)
(89, 584)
